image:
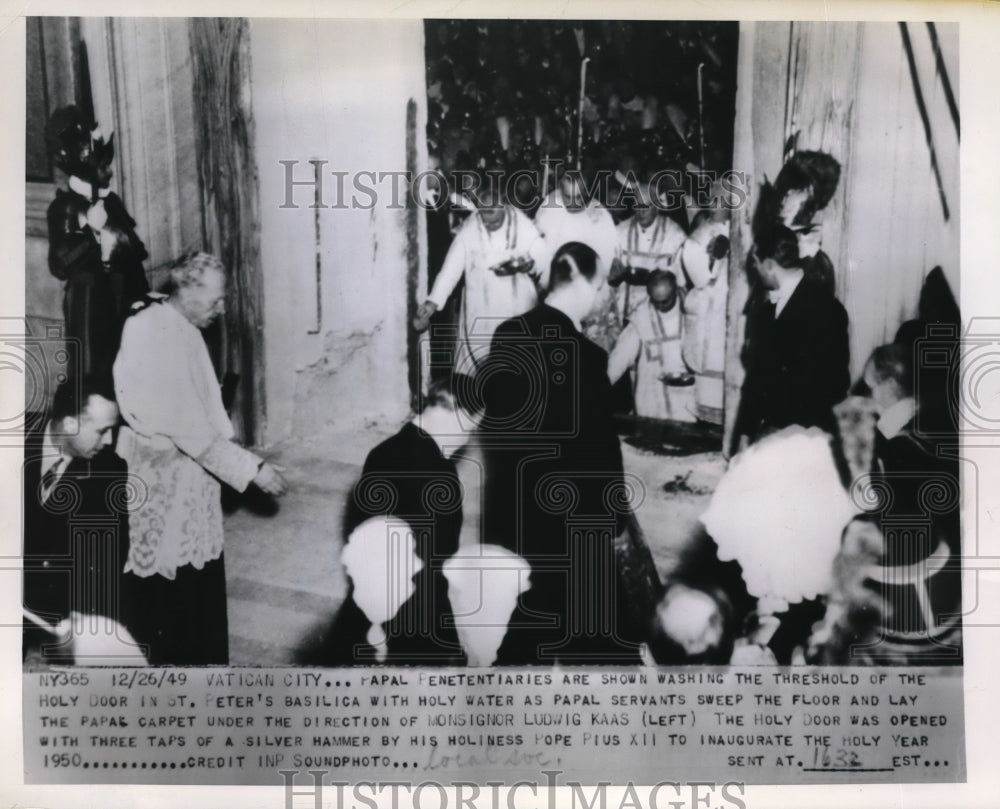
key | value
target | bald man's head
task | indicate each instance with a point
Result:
(662, 288)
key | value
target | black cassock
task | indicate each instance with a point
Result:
(555, 490)
(97, 296)
(406, 476)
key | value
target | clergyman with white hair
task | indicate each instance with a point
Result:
(178, 440)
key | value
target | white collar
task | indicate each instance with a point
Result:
(895, 417)
(52, 454)
(83, 188)
(418, 422)
(787, 285)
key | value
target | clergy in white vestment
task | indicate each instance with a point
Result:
(492, 251)
(705, 259)
(178, 440)
(565, 216)
(652, 343)
(648, 240)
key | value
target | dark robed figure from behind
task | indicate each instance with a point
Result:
(555, 483)
(410, 479)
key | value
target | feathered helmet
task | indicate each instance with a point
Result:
(810, 176)
(78, 147)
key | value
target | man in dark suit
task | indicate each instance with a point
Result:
(555, 490)
(796, 350)
(411, 477)
(75, 516)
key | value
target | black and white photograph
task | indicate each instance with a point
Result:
(492, 399)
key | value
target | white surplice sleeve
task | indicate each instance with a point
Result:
(625, 352)
(542, 249)
(451, 270)
(167, 391)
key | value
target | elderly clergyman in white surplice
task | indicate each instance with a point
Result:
(177, 439)
(494, 251)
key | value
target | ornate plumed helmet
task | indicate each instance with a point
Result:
(809, 179)
(77, 146)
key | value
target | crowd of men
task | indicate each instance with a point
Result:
(670, 351)
(553, 312)
(578, 302)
